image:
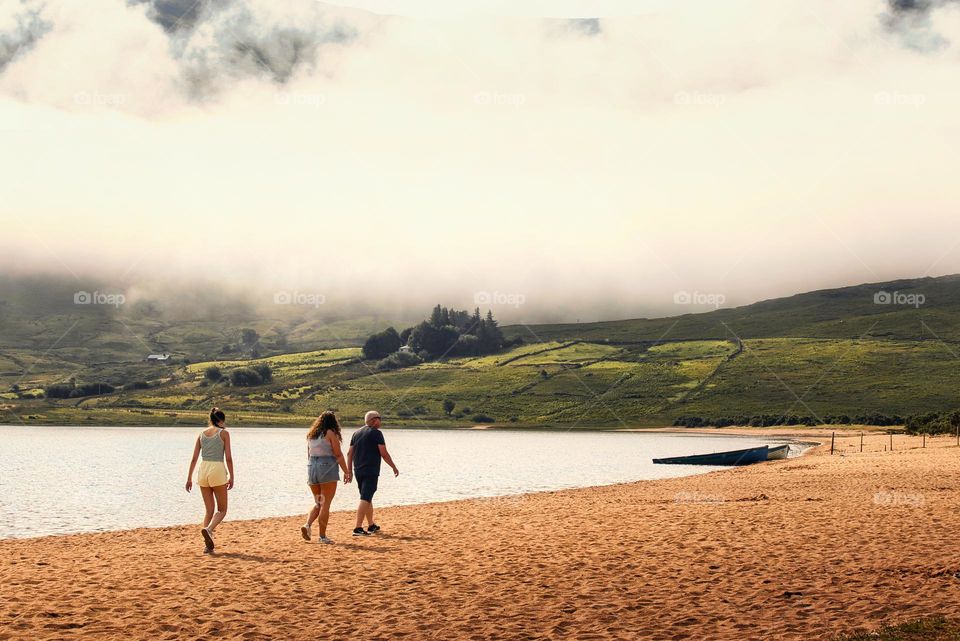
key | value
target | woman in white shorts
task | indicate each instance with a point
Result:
(215, 475)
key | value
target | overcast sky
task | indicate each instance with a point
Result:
(589, 159)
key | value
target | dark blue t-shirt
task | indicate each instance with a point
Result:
(366, 451)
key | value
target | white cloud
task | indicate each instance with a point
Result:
(748, 148)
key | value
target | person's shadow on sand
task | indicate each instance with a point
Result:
(240, 556)
(403, 537)
(365, 547)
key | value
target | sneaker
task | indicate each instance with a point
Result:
(207, 538)
(208, 550)
(324, 540)
(373, 529)
(305, 532)
(360, 532)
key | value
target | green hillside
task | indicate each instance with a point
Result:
(814, 357)
(848, 312)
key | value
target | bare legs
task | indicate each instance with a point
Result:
(217, 494)
(365, 511)
(322, 498)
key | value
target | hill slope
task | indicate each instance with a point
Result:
(813, 356)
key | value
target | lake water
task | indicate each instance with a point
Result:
(57, 480)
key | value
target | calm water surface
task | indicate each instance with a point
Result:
(56, 480)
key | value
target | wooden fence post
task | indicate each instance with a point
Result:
(833, 436)
(861, 441)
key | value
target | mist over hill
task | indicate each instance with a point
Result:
(877, 352)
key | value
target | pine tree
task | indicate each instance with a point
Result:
(436, 317)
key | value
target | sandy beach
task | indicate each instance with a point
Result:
(799, 549)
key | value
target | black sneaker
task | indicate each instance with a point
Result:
(360, 532)
(373, 529)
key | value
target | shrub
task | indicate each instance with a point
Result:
(481, 418)
(213, 373)
(58, 390)
(136, 385)
(245, 377)
(91, 389)
(448, 406)
(398, 360)
(67, 390)
(266, 374)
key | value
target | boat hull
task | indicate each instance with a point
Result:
(778, 452)
(735, 457)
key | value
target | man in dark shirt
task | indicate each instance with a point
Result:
(367, 447)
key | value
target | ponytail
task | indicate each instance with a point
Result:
(217, 417)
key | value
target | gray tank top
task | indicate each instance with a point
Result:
(211, 447)
(319, 447)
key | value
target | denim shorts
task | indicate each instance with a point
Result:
(322, 469)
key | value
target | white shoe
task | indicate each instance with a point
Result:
(325, 540)
(305, 532)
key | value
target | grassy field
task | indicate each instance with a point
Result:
(932, 629)
(814, 355)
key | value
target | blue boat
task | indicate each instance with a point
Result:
(736, 457)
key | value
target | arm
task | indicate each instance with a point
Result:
(386, 457)
(338, 454)
(348, 477)
(229, 456)
(193, 464)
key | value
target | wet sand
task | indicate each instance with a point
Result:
(798, 549)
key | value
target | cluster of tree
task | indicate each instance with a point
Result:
(72, 390)
(251, 376)
(382, 344)
(448, 332)
(769, 420)
(934, 423)
(451, 332)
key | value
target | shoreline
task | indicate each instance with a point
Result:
(820, 544)
(806, 448)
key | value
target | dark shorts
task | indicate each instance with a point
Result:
(368, 486)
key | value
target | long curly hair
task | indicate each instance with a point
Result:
(326, 421)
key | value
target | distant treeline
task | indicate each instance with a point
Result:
(770, 420)
(934, 423)
(72, 390)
